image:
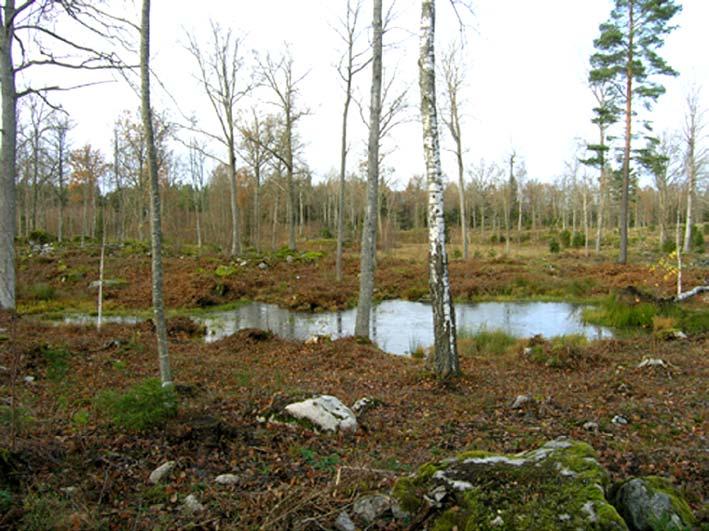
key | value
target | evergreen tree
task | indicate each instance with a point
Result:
(626, 57)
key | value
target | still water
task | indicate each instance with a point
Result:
(400, 326)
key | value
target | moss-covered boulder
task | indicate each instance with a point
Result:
(558, 486)
(652, 504)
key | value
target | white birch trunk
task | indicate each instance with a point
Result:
(444, 357)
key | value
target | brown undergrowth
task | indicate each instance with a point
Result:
(292, 478)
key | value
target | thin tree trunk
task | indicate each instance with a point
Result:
(155, 226)
(7, 162)
(233, 188)
(444, 358)
(369, 231)
(623, 254)
(343, 169)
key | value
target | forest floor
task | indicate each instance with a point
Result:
(293, 478)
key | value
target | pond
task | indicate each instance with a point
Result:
(400, 326)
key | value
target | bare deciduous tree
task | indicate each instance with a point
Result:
(219, 74)
(155, 222)
(369, 231)
(696, 156)
(453, 75)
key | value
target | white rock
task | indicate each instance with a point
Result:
(498, 521)
(590, 426)
(652, 362)
(290, 260)
(161, 472)
(344, 522)
(263, 266)
(226, 479)
(192, 504)
(325, 412)
(680, 335)
(619, 419)
(520, 401)
(28, 379)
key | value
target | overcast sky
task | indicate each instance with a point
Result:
(526, 70)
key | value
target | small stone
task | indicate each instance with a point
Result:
(527, 351)
(69, 491)
(436, 496)
(619, 419)
(263, 266)
(590, 426)
(652, 362)
(161, 472)
(226, 479)
(192, 504)
(498, 521)
(520, 401)
(290, 260)
(363, 405)
(28, 379)
(370, 508)
(344, 522)
(680, 335)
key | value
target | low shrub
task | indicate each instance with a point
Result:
(565, 238)
(144, 405)
(619, 314)
(41, 291)
(554, 246)
(578, 240)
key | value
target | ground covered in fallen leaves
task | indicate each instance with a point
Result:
(294, 478)
(64, 464)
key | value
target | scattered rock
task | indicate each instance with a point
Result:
(263, 266)
(374, 506)
(652, 504)
(109, 283)
(161, 472)
(325, 412)
(620, 420)
(678, 334)
(192, 504)
(520, 401)
(226, 479)
(343, 522)
(28, 379)
(314, 340)
(561, 481)
(652, 362)
(590, 426)
(290, 260)
(364, 404)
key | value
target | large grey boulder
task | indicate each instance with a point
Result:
(560, 485)
(652, 504)
(325, 413)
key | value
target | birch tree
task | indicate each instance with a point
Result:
(219, 72)
(155, 222)
(369, 230)
(444, 357)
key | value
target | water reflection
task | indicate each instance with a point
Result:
(401, 326)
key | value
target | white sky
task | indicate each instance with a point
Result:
(526, 75)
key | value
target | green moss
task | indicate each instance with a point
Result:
(678, 503)
(557, 486)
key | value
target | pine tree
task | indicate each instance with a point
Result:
(626, 57)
